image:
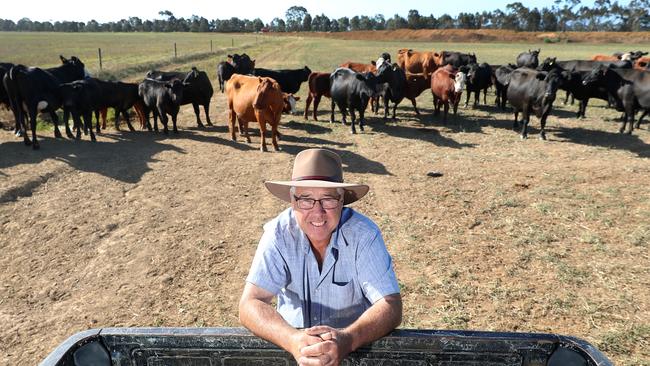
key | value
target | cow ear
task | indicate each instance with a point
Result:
(359, 76)
(373, 63)
(63, 59)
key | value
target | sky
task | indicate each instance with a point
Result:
(113, 10)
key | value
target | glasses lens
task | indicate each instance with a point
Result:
(329, 203)
(305, 203)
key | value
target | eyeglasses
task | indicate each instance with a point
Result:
(327, 203)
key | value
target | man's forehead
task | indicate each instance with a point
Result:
(315, 192)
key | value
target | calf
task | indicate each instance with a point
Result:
(319, 86)
(415, 85)
(532, 91)
(224, 72)
(479, 77)
(529, 59)
(289, 80)
(457, 59)
(501, 82)
(161, 98)
(393, 79)
(352, 90)
(197, 89)
(81, 98)
(37, 90)
(253, 99)
(447, 86)
(418, 62)
(120, 96)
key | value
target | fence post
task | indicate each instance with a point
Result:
(100, 58)
(232, 42)
(210, 46)
(175, 54)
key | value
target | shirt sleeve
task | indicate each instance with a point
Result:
(375, 270)
(269, 269)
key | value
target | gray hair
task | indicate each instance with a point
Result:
(339, 190)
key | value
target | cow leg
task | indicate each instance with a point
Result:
(477, 96)
(361, 117)
(385, 108)
(582, 108)
(307, 103)
(55, 121)
(174, 116)
(66, 118)
(274, 136)
(155, 120)
(125, 114)
(630, 119)
(206, 108)
(97, 119)
(76, 119)
(394, 110)
(525, 120)
(262, 121)
(232, 116)
(515, 124)
(638, 121)
(542, 122)
(485, 96)
(32, 125)
(415, 106)
(197, 112)
(103, 113)
(88, 122)
(444, 116)
(332, 115)
(316, 102)
(343, 111)
(353, 118)
(469, 93)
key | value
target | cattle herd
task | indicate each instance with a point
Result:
(261, 95)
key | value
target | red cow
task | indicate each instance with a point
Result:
(359, 67)
(415, 85)
(605, 58)
(417, 62)
(253, 99)
(642, 63)
(319, 86)
(447, 87)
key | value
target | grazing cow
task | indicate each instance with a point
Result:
(33, 90)
(501, 82)
(242, 63)
(224, 71)
(161, 98)
(319, 86)
(360, 67)
(289, 80)
(393, 79)
(415, 85)
(418, 62)
(627, 90)
(197, 89)
(352, 90)
(479, 77)
(529, 59)
(457, 59)
(447, 86)
(255, 99)
(631, 55)
(532, 91)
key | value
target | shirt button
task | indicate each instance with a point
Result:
(315, 318)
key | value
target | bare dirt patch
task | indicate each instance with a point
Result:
(140, 229)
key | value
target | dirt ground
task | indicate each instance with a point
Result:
(140, 229)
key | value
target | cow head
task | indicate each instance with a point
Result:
(460, 80)
(548, 64)
(385, 56)
(74, 67)
(369, 85)
(305, 73)
(596, 75)
(242, 63)
(553, 80)
(70, 94)
(290, 103)
(175, 90)
(264, 88)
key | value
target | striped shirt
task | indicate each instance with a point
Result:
(357, 271)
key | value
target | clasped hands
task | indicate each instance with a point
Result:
(321, 345)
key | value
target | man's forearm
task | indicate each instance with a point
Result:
(380, 319)
(265, 322)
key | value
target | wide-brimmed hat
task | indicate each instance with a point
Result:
(317, 168)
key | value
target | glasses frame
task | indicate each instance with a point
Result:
(320, 201)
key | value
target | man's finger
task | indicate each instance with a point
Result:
(326, 336)
(317, 330)
(313, 350)
(313, 340)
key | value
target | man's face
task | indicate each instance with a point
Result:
(317, 223)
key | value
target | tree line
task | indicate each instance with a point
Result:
(564, 15)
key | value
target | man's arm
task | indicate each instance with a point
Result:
(257, 314)
(380, 319)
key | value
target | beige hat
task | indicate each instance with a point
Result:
(317, 168)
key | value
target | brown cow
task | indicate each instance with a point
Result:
(604, 58)
(415, 85)
(642, 63)
(319, 86)
(255, 99)
(417, 62)
(362, 68)
(447, 87)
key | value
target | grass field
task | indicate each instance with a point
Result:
(142, 230)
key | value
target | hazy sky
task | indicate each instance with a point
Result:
(114, 10)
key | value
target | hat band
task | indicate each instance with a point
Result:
(316, 177)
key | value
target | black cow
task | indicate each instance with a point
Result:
(479, 77)
(242, 63)
(532, 91)
(415, 85)
(393, 79)
(34, 90)
(81, 98)
(457, 59)
(501, 82)
(224, 71)
(197, 89)
(529, 59)
(386, 57)
(627, 90)
(289, 80)
(161, 98)
(4, 96)
(351, 90)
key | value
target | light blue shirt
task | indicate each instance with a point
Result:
(357, 271)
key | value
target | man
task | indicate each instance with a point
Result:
(327, 265)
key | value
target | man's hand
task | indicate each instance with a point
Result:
(301, 340)
(334, 346)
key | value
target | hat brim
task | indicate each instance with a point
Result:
(281, 189)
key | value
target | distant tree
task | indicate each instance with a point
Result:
(365, 23)
(430, 22)
(294, 16)
(414, 19)
(147, 26)
(344, 24)
(24, 25)
(549, 20)
(278, 25)
(258, 24)
(354, 23)
(334, 26)
(306, 23)
(379, 22)
(467, 21)
(204, 25)
(320, 23)
(534, 21)
(565, 12)
(445, 22)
